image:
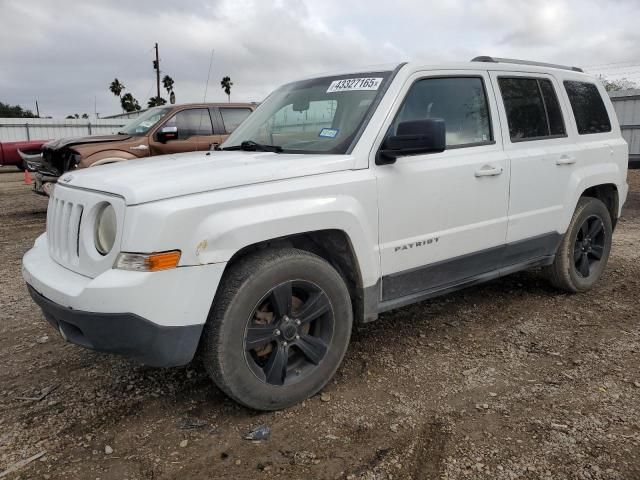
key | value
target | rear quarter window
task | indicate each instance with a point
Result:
(588, 108)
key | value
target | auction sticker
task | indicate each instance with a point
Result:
(350, 84)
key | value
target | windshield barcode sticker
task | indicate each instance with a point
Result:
(350, 84)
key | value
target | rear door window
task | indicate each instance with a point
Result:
(192, 122)
(532, 107)
(233, 117)
(588, 108)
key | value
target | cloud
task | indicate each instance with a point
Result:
(65, 53)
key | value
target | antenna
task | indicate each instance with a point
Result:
(206, 86)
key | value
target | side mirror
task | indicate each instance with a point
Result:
(167, 133)
(412, 138)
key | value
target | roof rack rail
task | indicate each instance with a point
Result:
(485, 58)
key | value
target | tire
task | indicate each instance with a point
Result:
(278, 329)
(587, 238)
(20, 166)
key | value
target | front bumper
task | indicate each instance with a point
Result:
(44, 184)
(152, 317)
(123, 334)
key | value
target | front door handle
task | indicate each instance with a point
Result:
(488, 171)
(139, 147)
(566, 160)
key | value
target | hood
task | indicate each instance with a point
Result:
(69, 142)
(168, 176)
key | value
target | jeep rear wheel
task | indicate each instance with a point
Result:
(278, 330)
(584, 250)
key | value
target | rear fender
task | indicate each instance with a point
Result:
(587, 177)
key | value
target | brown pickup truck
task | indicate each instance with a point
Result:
(158, 131)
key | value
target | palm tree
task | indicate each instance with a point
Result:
(116, 87)
(167, 83)
(226, 84)
(129, 104)
(156, 102)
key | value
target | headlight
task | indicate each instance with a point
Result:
(106, 228)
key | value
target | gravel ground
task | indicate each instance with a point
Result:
(502, 381)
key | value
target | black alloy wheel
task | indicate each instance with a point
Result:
(589, 246)
(289, 332)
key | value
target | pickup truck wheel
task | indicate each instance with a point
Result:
(278, 330)
(20, 166)
(584, 250)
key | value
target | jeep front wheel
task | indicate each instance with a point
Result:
(278, 330)
(584, 250)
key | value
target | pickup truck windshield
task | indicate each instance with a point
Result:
(320, 115)
(140, 126)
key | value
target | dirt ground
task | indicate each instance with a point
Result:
(509, 380)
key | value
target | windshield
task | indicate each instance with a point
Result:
(141, 125)
(321, 115)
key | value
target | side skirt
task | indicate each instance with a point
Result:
(411, 286)
(475, 280)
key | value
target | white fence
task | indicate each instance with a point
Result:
(19, 129)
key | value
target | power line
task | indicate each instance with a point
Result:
(618, 73)
(614, 63)
(206, 87)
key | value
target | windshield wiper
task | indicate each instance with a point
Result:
(251, 146)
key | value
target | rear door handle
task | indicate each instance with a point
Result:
(488, 171)
(566, 160)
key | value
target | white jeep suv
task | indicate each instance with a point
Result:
(340, 197)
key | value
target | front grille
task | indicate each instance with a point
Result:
(63, 227)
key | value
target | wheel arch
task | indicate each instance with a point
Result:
(333, 245)
(608, 194)
(601, 181)
(106, 156)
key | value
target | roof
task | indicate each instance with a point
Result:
(200, 104)
(496, 64)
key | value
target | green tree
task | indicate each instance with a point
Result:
(617, 85)
(14, 111)
(226, 85)
(85, 116)
(129, 104)
(156, 102)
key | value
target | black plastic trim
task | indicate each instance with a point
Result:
(466, 268)
(467, 282)
(125, 334)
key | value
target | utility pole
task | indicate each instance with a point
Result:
(156, 65)
(37, 110)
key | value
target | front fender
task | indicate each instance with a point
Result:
(226, 232)
(212, 227)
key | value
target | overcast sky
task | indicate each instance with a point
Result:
(65, 53)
